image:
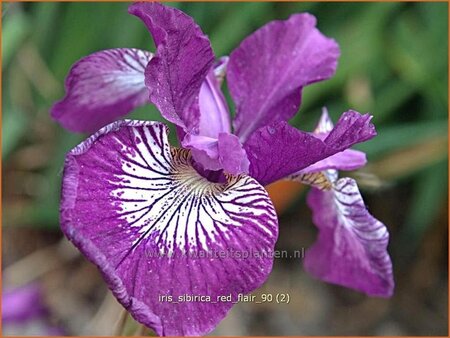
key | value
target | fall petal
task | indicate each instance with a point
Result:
(102, 87)
(138, 210)
(351, 249)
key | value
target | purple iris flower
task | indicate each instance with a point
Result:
(180, 233)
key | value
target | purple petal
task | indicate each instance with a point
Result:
(133, 205)
(351, 128)
(101, 88)
(232, 155)
(211, 108)
(268, 70)
(182, 60)
(349, 159)
(214, 114)
(22, 304)
(279, 150)
(225, 152)
(351, 249)
(204, 150)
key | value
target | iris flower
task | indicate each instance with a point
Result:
(180, 233)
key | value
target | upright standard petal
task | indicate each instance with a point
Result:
(182, 60)
(214, 114)
(268, 70)
(175, 249)
(351, 249)
(102, 87)
(279, 150)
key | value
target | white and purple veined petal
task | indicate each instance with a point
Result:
(102, 87)
(351, 249)
(159, 232)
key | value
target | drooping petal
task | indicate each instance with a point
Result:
(351, 249)
(102, 87)
(168, 242)
(268, 70)
(182, 60)
(279, 150)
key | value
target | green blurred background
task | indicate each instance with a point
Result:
(394, 64)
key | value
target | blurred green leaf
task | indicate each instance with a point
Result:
(45, 211)
(404, 162)
(428, 196)
(391, 96)
(397, 136)
(235, 23)
(14, 126)
(15, 28)
(47, 17)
